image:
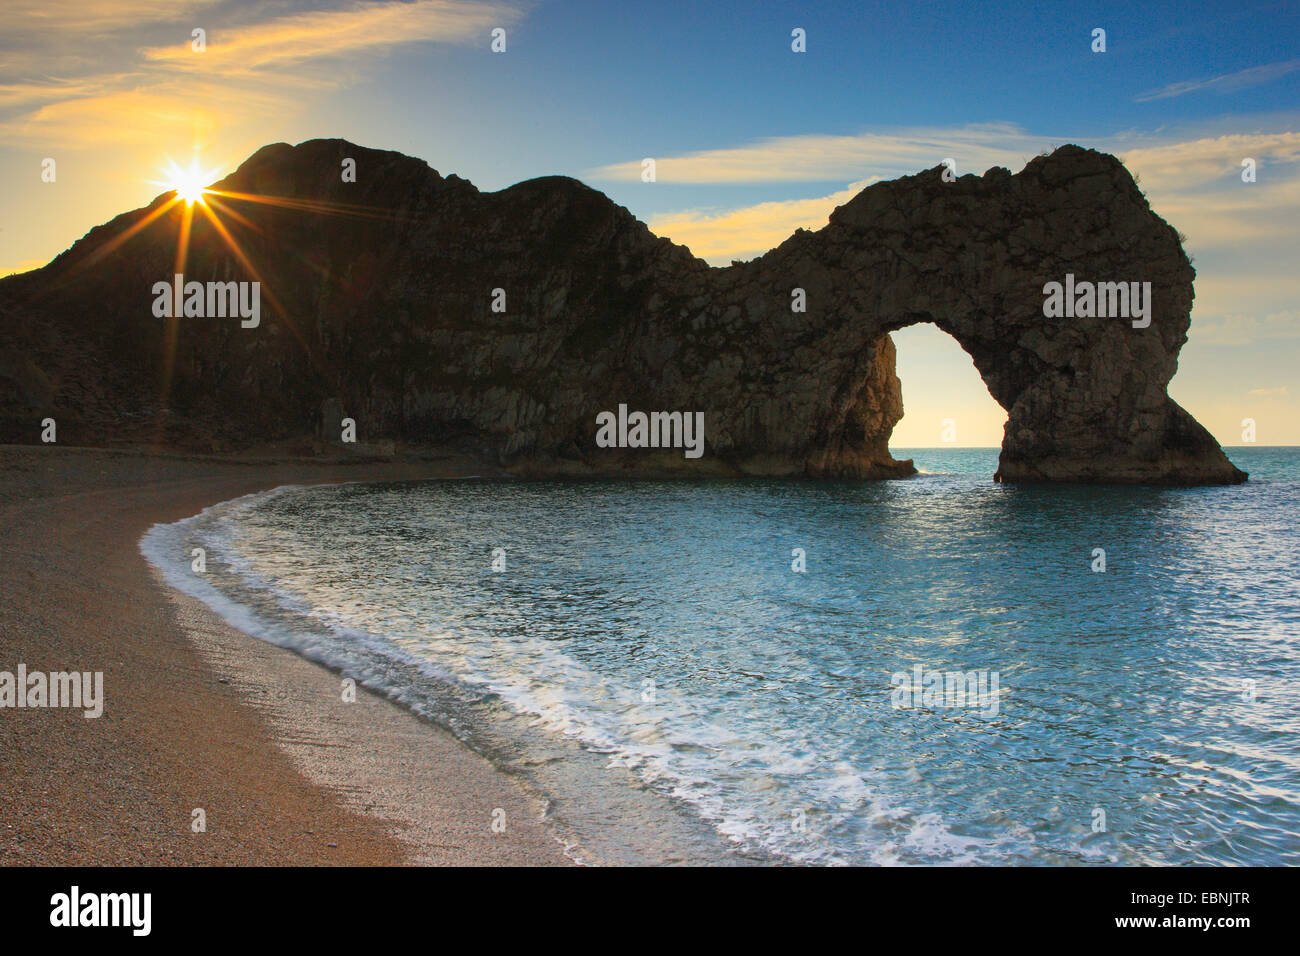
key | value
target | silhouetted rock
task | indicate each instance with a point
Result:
(377, 306)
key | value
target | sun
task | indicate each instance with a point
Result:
(188, 184)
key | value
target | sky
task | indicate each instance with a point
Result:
(751, 139)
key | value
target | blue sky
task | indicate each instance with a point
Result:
(751, 139)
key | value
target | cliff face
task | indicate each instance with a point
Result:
(377, 304)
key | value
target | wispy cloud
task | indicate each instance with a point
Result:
(1226, 83)
(818, 158)
(147, 114)
(92, 17)
(251, 71)
(975, 148)
(752, 230)
(1205, 160)
(1279, 392)
(33, 94)
(1195, 183)
(319, 34)
(44, 43)
(1239, 329)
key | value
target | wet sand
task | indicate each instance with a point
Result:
(198, 715)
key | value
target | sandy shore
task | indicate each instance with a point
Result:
(198, 715)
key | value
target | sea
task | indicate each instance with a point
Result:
(938, 670)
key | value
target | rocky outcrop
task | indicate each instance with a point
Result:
(378, 303)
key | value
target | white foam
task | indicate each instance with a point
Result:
(676, 747)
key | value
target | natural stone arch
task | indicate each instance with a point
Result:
(378, 307)
(1086, 398)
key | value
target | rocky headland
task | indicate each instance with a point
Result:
(436, 316)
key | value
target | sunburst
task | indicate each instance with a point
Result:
(189, 184)
(192, 190)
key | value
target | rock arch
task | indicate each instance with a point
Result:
(378, 307)
(1086, 397)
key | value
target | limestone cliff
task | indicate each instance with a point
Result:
(378, 299)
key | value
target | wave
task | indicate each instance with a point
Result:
(672, 748)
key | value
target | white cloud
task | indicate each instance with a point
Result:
(1242, 329)
(1226, 83)
(248, 73)
(92, 16)
(318, 34)
(1183, 164)
(816, 158)
(720, 237)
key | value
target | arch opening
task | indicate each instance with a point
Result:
(946, 403)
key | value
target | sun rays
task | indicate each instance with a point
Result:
(251, 242)
(195, 190)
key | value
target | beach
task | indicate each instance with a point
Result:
(651, 678)
(198, 716)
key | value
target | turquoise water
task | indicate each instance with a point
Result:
(651, 662)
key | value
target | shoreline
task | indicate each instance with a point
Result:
(199, 715)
